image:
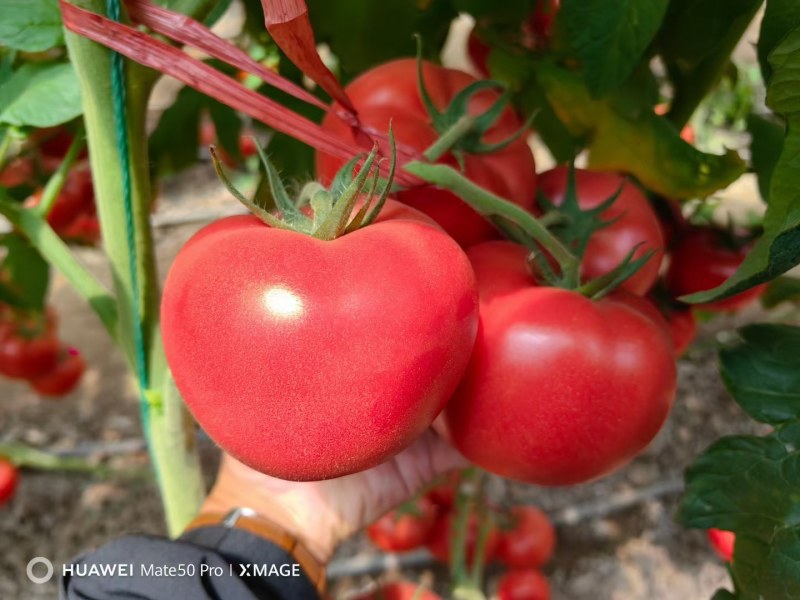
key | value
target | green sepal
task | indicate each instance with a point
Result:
(605, 284)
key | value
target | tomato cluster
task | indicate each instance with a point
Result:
(30, 350)
(523, 541)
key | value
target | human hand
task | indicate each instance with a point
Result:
(321, 514)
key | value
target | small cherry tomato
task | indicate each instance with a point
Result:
(27, 354)
(9, 478)
(527, 584)
(64, 377)
(530, 540)
(723, 542)
(444, 494)
(406, 528)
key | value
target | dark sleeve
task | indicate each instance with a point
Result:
(214, 563)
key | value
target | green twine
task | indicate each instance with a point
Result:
(121, 124)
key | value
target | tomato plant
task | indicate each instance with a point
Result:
(529, 540)
(63, 377)
(440, 539)
(722, 542)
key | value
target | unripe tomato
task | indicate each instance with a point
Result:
(560, 389)
(702, 260)
(634, 225)
(399, 531)
(527, 584)
(530, 540)
(389, 93)
(9, 478)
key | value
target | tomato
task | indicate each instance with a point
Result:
(530, 541)
(9, 478)
(439, 541)
(682, 328)
(702, 260)
(17, 172)
(64, 377)
(723, 543)
(541, 21)
(28, 347)
(55, 143)
(634, 223)
(401, 590)
(560, 389)
(478, 52)
(73, 215)
(308, 359)
(398, 531)
(527, 584)
(444, 494)
(390, 93)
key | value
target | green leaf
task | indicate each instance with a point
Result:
(30, 25)
(724, 595)
(364, 33)
(633, 139)
(769, 571)
(41, 95)
(778, 250)
(174, 143)
(745, 484)
(765, 149)
(762, 372)
(782, 289)
(25, 274)
(780, 18)
(610, 37)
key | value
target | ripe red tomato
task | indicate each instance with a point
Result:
(682, 328)
(9, 478)
(439, 540)
(308, 359)
(702, 260)
(723, 543)
(530, 541)
(401, 531)
(64, 377)
(478, 52)
(635, 223)
(16, 172)
(390, 93)
(444, 495)
(401, 590)
(541, 21)
(527, 584)
(560, 389)
(26, 353)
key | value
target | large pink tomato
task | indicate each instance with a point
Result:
(560, 389)
(389, 93)
(632, 223)
(310, 359)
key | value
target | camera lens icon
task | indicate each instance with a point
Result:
(48, 566)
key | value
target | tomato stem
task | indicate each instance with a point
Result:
(26, 457)
(460, 527)
(56, 182)
(5, 144)
(489, 204)
(449, 138)
(485, 524)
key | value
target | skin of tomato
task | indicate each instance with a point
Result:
(527, 584)
(18, 171)
(308, 359)
(444, 494)
(9, 479)
(723, 543)
(64, 378)
(636, 223)
(439, 540)
(530, 541)
(560, 389)
(390, 93)
(400, 532)
(700, 261)
(28, 358)
(401, 590)
(683, 329)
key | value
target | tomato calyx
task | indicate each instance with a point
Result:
(462, 133)
(325, 214)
